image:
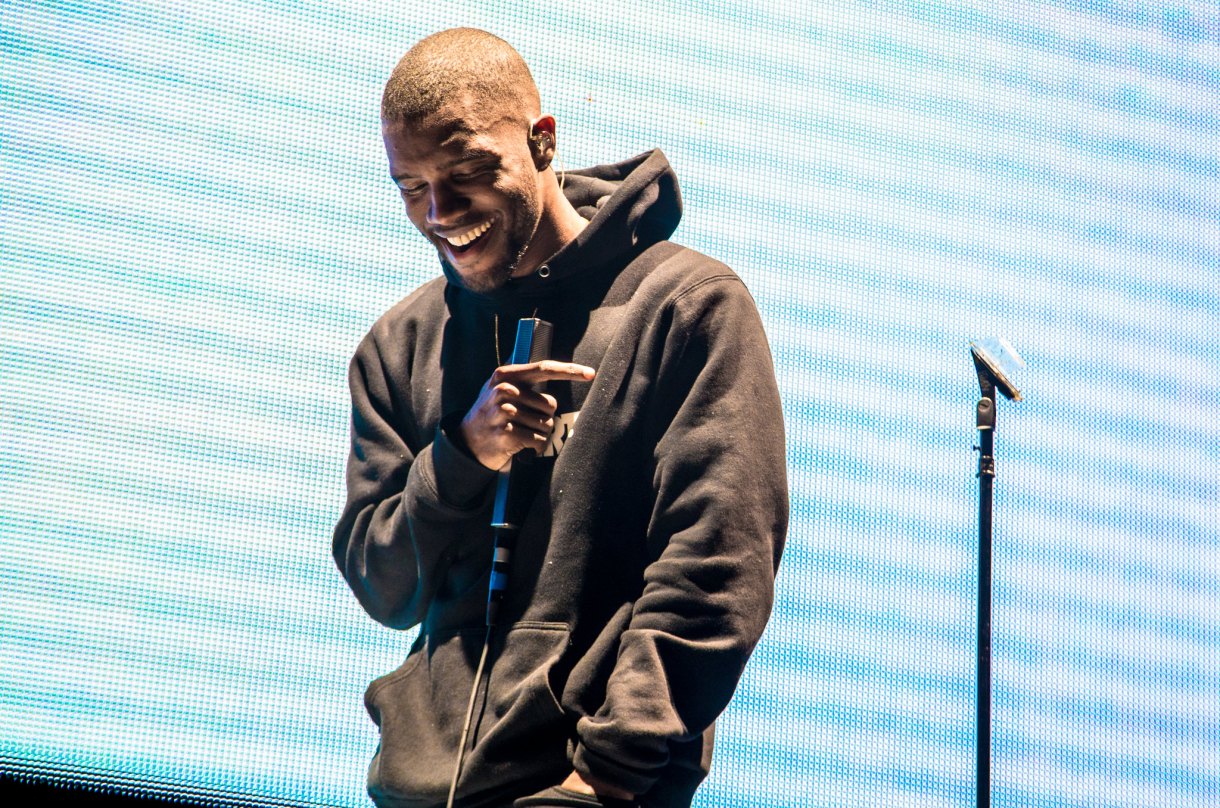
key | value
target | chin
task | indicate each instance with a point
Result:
(479, 278)
(483, 283)
(482, 280)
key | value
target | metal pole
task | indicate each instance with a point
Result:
(993, 359)
(986, 412)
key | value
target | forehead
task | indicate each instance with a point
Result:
(449, 133)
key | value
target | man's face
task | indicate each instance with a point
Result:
(470, 186)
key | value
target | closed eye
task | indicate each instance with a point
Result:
(472, 174)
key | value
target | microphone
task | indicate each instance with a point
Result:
(516, 485)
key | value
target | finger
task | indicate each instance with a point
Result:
(548, 370)
(524, 436)
(539, 402)
(504, 391)
(522, 412)
(525, 421)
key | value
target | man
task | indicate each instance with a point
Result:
(643, 574)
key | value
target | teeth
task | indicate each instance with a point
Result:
(470, 235)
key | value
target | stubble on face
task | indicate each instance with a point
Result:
(507, 196)
(518, 233)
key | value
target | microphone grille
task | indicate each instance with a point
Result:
(533, 342)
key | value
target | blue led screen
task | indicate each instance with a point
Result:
(197, 227)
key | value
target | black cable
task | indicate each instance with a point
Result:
(474, 691)
(514, 487)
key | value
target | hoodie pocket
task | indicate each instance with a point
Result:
(519, 731)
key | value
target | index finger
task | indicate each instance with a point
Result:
(548, 370)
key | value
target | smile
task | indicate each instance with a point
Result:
(463, 239)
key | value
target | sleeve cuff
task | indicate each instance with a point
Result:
(461, 481)
(600, 767)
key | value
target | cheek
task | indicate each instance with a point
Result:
(417, 213)
(519, 198)
(518, 185)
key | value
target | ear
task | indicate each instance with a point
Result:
(542, 141)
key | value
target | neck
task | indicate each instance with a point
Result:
(558, 226)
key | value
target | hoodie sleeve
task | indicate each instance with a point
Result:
(407, 510)
(716, 532)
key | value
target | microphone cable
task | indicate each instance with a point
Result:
(514, 487)
(474, 691)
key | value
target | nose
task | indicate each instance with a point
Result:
(445, 205)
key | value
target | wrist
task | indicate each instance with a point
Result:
(454, 427)
(466, 435)
(587, 784)
(458, 432)
(456, 476)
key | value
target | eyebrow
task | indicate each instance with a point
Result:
(466, 157)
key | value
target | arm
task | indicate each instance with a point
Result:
(715, 535)
(408, 513)
(408, 507)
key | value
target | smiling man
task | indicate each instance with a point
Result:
(643, 574)
(482, 193)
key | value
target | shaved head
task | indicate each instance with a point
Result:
(463, 66)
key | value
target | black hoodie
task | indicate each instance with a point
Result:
(643, 575)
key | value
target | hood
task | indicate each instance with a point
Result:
(630, 206)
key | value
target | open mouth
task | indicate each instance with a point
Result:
(464, 242)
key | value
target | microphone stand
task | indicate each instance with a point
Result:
(985, 422)
(991, 378)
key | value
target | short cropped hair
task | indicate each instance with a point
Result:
(459, 62)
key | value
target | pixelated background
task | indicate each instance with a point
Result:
(197, 227)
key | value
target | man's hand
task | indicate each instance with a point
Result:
(580, 785)
(509, 416)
